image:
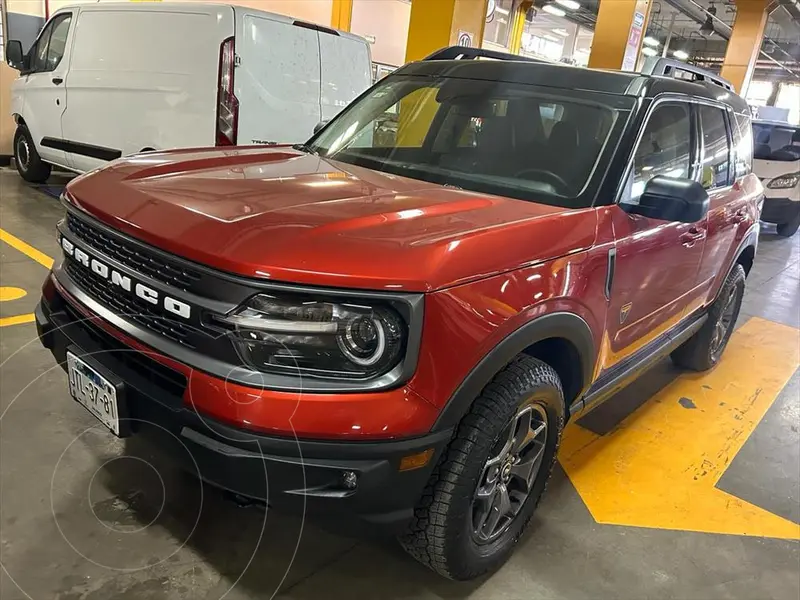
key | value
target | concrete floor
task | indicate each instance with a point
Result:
(84, 516)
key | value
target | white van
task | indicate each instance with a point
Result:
(776, 161)
(110, 79)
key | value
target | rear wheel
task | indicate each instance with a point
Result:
(704, 349)
(489, 480)
(29, 164)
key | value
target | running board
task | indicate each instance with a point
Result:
(626, 372)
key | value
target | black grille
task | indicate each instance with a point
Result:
(127, 305)
(163, 377)
(133, 255)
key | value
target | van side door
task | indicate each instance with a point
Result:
(45, 89)
(656, 261)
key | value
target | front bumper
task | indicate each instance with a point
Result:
(780, 210)
(301, 476)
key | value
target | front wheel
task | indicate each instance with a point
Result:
(29, 164)
(704, 349)
(489, 480)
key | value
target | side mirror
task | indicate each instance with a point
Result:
(320, 125)
(14, 55)
(668, 199)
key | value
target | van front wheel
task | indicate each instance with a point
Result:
(29, 164)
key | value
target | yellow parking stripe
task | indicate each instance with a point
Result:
(660, 467)
(17, 320)
(26, 249)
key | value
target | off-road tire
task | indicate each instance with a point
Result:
(440, 534)
(697, 353)
(790, 228)
(30, 167)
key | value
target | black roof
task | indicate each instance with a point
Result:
(575, 78)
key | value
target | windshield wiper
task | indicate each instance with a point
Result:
(305, 148)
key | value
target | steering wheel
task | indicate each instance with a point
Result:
(546, 175)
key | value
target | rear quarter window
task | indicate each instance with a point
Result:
(742, 145)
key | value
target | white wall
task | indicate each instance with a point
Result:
(387, 21)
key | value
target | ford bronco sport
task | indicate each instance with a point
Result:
(394, 334)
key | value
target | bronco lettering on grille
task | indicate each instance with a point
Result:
(144, 292)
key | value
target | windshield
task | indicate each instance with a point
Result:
(501, 138)
(776, 142)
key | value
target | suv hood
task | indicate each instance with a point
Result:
(289, 216)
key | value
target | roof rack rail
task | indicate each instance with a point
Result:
(467, 53)
(677, 69)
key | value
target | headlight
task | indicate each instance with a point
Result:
(299, 335)
(784, 181)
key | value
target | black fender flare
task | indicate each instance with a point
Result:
(564, 325)
(749, 240)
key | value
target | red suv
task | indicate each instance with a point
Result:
(392, 330)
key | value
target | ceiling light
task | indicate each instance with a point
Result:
(649, 51)
(553, 10)
(651, 41)
(680, 55)
(569, 4)
(561, 32)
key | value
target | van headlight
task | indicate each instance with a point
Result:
(784, 181)
(302, 336)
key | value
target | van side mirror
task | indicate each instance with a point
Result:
(14, 55)
(320, 125)
(669, 199)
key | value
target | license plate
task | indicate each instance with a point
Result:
(94, 391)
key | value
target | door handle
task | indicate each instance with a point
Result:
(58, 80)
(691, 237)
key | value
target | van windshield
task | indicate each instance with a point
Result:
(774, 141)
(521, 141)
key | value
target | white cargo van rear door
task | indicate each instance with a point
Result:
(346, 70)
(143, 76)
(277, 81)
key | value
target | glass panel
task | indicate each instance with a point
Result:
(716, 150)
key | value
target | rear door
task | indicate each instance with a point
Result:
(45, 92)
(278, 80)
(346, 71)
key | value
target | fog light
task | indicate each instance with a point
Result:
(415, 461)
(349, 480)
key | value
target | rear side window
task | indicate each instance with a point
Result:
(716, 149)
(742, 145)
(665, 148)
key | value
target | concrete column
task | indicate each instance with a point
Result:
(436, 24)
(618, 34)
(518, 26)
(341, 14)
(745, 43)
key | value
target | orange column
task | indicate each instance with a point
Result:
(618, 34)
(745, 43)
(436, 24)
(341, 14)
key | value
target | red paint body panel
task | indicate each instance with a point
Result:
(287, 216)
(488, 265)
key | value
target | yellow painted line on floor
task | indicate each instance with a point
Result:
(17, 320)
(659, 468)
(26, 249)
(8, 293)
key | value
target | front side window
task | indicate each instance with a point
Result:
(500, 138)
(716, 150)
(58, 42)
(664, 149)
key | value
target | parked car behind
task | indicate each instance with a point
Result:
(777, 164)
(108, 80)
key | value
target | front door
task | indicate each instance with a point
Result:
(657, 261)
(45, 89)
